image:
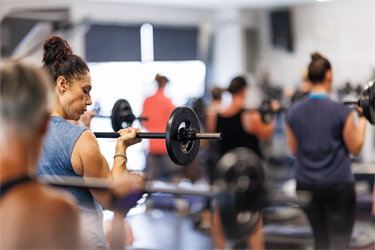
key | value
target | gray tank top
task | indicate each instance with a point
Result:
(55, 159)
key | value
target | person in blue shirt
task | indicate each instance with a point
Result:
(321, 134)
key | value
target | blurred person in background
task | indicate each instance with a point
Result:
(157, 109)
(303, 89)
(321, 133)
(215, 106)
(33, 215)
(214, 155)
(240, 129)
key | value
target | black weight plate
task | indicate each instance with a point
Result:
(266, 112)
(371, 111)
(179, 152)
(120, 111)
(240, 173)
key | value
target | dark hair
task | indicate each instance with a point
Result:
(236, 85)
(216, 93)
(161, 80)
(59, 60)
(318, 68)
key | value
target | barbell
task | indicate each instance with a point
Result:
(121, 112)
(366, 101)
(182, 136)
(238, 185)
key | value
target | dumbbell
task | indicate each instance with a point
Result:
(265, 110)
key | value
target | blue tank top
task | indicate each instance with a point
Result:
(317, 123)
(55, 159)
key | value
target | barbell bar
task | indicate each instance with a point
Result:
(103, 184)
(109, 117)
(182, 136)
(150, 135)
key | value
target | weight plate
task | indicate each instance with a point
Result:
(182, 153)
(368, 101)
(120, 111)
(240, 173)
(266, 112)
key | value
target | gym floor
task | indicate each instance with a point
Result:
(166, 229)
(169, 230)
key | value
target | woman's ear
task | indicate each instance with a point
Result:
(62, 84)
(328, 76)
(328, 80)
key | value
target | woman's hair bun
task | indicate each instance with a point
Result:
(316, 56)
(161, 79)
(55, 49)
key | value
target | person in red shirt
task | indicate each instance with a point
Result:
(157, 109)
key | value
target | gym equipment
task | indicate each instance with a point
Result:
(182, 135)
(239, 186)
(121, 112)
(240, 173)
(366, 101)
(266, 111)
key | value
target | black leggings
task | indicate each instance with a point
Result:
(331, 214)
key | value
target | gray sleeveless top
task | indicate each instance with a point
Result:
(55, 159)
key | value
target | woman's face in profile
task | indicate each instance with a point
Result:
(78, 97)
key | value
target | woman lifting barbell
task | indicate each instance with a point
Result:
(33, 215)
(321, 133)
(73, 150)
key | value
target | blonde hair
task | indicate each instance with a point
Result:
(25, 99)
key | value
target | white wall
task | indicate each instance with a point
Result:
(227, 56)
(343, 32)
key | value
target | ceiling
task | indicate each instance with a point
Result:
(219, 4)
(192, 4)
